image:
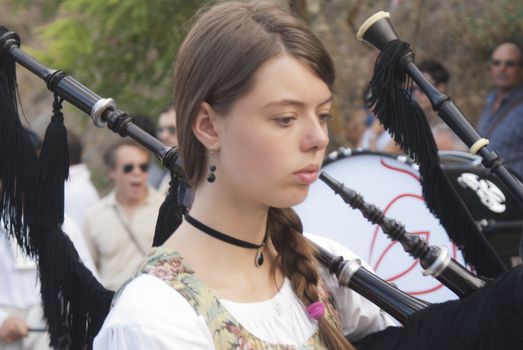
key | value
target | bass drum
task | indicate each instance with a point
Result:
(489, 201)
(393, 184)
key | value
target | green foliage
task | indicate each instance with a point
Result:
(122, 49)
(494, 22)
(47, 8)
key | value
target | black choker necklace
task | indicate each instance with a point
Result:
(258, 261)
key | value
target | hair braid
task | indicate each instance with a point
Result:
(299, 265)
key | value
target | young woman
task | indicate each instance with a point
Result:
(253, 92)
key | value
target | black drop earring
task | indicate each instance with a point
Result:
(212, 168)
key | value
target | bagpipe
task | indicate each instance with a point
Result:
(489, 315)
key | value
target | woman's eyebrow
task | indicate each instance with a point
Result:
(289, 102)
(327, 100)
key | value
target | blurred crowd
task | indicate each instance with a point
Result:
(501, 120)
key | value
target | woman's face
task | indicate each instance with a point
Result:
(272, 141)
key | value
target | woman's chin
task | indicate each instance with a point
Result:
(292, 198)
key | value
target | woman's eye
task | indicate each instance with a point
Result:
(325, 117)
(285, 121)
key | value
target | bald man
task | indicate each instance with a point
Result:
(501, 120)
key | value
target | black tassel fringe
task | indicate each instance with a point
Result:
(17, 158)
(404, 119)
(52, 171)
(171, 211)
(489, 319)
(75, 303)
(31, 209)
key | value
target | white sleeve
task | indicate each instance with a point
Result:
(87, 235)
(149, 314)
(358, 315)
(3, 316)
(75, 235)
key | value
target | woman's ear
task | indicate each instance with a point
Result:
(205, 126)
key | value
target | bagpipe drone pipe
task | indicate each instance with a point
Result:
(393, 105)
(76, 304)
(482, 320)
(485, 318)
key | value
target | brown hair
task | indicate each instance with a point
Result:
(216, 64)
(110, 153)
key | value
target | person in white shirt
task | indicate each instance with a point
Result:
(22, 326)
(80, 193)
(253, 95)
(119, 229)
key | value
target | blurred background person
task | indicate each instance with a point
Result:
(156, 172)
(355, 127)
(375, 138)
(166, 133)
(166, 130)
(119, 229)
(439, 76)
(80, 193)
(501, 121)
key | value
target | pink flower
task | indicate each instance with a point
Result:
(316, 310)
(167, 270)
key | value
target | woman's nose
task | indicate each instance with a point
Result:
(316, 136)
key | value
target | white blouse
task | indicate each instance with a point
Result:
(149, 314)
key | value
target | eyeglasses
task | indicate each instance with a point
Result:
(170, 129)
(508, 64)
(127, 168)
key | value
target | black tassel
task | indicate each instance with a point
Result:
(489, 319)
(52, 171)
(391, 103)
(31, 208)
(17, 156)
(404, 119)
(171, 212)
(75, 303)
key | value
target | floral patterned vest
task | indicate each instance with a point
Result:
(227, 333)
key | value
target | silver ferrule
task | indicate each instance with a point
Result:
(98, 110)
(348, 270)
(439, 265)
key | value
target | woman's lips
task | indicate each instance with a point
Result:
(307, 176)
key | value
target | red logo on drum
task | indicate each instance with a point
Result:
(378, 253)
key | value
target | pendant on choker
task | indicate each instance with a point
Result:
(258, 260)
(259, 256)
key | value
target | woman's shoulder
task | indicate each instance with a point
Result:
(146, 292)
(148, 313)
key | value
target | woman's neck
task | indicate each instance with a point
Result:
(221, 264)
(236, 217)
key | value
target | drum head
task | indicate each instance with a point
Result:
(393, 185)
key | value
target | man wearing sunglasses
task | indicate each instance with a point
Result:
(119, 229)
(501, 120)
(166, 133)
